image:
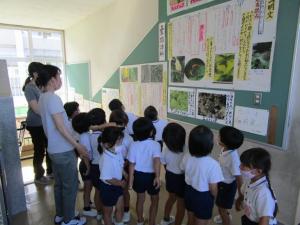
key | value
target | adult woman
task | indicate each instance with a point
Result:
(34, 125)
(61, 146)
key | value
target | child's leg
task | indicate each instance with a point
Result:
(224, 215)
(153, 209)
(179, 211)
(140, 200)
(119, 210)
(107, 211)
(168, 206)
(97, 200)
(191, 218)
(200, 221)
(126, 200)
(87, 188)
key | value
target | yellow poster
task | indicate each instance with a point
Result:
(170, 41)
(270, 10)
(210, 52)
(245, 45)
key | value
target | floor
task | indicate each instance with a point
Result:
(40, 203)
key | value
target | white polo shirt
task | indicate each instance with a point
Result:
(230, 165)
(258, 200)
(131, 119)
(159, 126)
(111, 166)
(172, 160)
(84, 139)
(142, 154)
(94, 146)
(201, 171)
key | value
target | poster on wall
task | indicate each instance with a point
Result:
(226, 46)
(251, 120)
(181, 101)
(130, 88)
(193, 3)
(215, 106)
(154, 87)
(175, 6)
(162, 42)
(108, 94)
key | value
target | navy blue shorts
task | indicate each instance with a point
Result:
(82, 170)
(200, 203)
(95, 175)
(175, 183)
(246, 221)
(144, 182)
(110, 194)
(226, 194)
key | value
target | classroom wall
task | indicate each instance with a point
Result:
(107, 37)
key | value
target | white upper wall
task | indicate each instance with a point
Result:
(107, 37)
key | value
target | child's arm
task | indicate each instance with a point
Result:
(103, 126)
(88, 166)
(239, 181)
(131, 172)
(264, 220)
(213, 188)
(115, 182)
(156, 163)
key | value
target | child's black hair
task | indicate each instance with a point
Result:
(81, 123)
(119, 117)
(231, 137)
(97, 116)
(151, 113)
(115, 104)
(259, 158)
(143, 129)
(201, 141)
(109, 137)
(174, 137)
(70, 108)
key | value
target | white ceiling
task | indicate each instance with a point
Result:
(55, 14)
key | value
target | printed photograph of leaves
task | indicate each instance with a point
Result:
(261, 55)
(177, 69)
(224, 67)
(179, 100)
(129, 74)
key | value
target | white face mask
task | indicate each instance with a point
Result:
(247, 174)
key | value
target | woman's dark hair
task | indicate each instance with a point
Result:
(46, 74)
(143, 129)
(119, 117)
(109, 137)
(70, 108)
(259, 158)
(33, 67)
(151, 113)
(115, 104)
(174, 137)
(231, 137)
(97, 116)
(81, 123)
(201, 141)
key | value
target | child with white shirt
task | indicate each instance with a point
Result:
(81, 125)
(202, 175)
(144, 168)
(111, 182)
(230, 139)
(258, 199)
(172, 154)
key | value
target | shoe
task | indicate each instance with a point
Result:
(80, 221)
(90, 213)
(58, 220)
(43, 180)
(126, 217)
(218, 219)
(92, 205)
(141, 223)
(170, 221)
(99, 216)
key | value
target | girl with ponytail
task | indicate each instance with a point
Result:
(258, 200)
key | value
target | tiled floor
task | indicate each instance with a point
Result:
(40, 205)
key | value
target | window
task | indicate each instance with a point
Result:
(19, 47)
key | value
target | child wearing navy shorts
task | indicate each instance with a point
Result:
(111, 177)
(202, 175)
(81, 125)
(172, 154)
(121, 119)
(144, 168)
(258, 199)
(230, 139)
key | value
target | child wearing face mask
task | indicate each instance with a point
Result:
(230, 139)
(258, 199)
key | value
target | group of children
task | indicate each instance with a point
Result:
(127, 153)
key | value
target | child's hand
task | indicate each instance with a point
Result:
(123, 184)
(239, 203)
(130, 184)
(156, 182)
(82, 151)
